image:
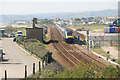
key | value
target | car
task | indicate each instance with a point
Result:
(12, 35)
(3, 31)
(19, 33)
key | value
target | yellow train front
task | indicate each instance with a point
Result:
(66, 34)
(69, 36)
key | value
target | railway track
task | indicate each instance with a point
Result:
(63, 51)
(72, 53)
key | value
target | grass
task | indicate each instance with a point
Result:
(91, 27)
(88, 72)
(99, 51)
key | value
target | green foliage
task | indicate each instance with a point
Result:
(36, 49)
(20, 39)
(14, 30)
(110, 72)
(45, 22)
(89, 72)
(77, 19)
(47, 73)
(10, 30)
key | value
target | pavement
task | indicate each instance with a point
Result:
(15, 60)
(113, 52)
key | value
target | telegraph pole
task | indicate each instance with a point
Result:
(87, 32)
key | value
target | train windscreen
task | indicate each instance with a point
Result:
(69, 33)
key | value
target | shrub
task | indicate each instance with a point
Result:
(89, 72)
(35, 47)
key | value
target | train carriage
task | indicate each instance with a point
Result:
(66, 34)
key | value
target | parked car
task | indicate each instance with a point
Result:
(4, 33)
(12, 35)
(19, 33)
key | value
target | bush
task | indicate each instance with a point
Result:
(35, 47)
(89, 72)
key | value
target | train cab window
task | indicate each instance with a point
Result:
(69, 34)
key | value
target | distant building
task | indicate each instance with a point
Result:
(19, 22)
(76, 23)
(91, 23)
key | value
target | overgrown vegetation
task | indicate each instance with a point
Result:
(89, 72)
(35, 47)
(14, 30)
(45, 22)
(81, 71)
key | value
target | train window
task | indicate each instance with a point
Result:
(69, 34)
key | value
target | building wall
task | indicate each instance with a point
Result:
(36, 33)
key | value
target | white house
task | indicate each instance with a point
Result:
(76, 23)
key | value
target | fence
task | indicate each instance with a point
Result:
(99, 41)
(41, 66)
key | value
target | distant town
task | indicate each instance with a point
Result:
(59, 45)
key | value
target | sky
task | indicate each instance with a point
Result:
(21, 7)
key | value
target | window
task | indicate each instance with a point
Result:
(3, 31)
(19, 32)
(69, 33)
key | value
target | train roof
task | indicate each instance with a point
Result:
(62, 28)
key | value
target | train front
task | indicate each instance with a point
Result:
(69, 36)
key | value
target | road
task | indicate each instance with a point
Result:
(15, 59)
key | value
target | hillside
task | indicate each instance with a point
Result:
(103, 13)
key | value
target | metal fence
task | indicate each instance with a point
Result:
(99, 41)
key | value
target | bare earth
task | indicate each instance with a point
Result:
(55, 55)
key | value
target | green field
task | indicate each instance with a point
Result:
(91, 27)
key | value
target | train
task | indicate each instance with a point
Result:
(66, 34)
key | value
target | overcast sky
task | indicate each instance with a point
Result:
(49, 6)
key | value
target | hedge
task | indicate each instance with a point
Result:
(35, 47)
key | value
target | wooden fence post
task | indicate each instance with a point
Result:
(39, 66)
(25, 71)
(43, 64)
(5, 75)
(34, 68)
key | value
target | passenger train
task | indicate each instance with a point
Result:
(66, 34)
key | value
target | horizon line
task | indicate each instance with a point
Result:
(58, 12)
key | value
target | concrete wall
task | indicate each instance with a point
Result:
(36, 33)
